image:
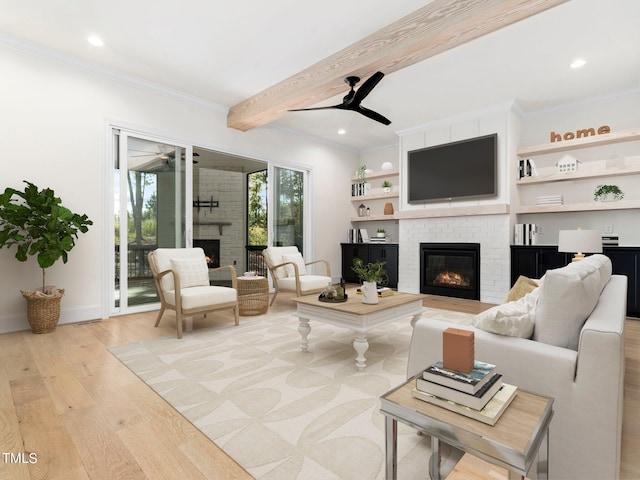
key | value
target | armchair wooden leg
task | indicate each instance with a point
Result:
(159, 315)
(273, 299)
(236, 314)
(179, 323)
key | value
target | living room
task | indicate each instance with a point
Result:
(61, 110)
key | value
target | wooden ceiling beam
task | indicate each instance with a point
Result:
(435, 28)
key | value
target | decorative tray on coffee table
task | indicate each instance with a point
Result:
(323, 298)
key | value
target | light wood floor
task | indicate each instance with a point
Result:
(66, 399)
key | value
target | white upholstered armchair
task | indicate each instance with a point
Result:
(289, 272)
(181, 276)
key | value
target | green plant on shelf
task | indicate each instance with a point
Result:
(607, 192)
(361, 173)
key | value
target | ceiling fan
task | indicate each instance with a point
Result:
(352, 100)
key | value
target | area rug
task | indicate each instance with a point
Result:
(282, 413)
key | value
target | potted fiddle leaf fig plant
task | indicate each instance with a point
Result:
(35, 222)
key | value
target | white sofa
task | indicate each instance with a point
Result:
(587, 383)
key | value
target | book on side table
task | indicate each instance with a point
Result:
(476, 401)
(489, 414)
(466, 382)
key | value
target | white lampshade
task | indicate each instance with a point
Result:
(580, 242)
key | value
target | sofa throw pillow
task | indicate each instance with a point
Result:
(568, 296)
(298, 260)
(512, 319)
(522, 286)
(193, 272)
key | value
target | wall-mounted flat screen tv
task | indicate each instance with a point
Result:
(456, 170)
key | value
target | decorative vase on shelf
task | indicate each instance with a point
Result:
(369, 293)
(388, 208)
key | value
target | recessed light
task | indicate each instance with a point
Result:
(578, 62)
(95, 41)
(342, 131)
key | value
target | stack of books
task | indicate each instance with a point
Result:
(526, 168)
(610, 239)
(480, 394)
(358, 189)
(525, 234)
(550, 200)
(357, 235)
(378, 240)
(382, 291)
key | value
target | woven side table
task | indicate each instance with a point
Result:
(253, 295)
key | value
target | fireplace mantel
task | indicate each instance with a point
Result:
(467, 211)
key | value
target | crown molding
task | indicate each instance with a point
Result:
(77, 63)
(579, 103)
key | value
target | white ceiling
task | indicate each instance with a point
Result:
(225, 52)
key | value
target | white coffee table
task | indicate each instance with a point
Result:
(357, 316)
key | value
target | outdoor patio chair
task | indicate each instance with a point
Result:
(289, 272)
(181, 276)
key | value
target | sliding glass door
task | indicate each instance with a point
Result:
(152, 183)
(288, 207)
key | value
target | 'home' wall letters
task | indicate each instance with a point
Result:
(585, 132)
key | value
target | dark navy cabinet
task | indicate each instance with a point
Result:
(370, 252)
(533, 261)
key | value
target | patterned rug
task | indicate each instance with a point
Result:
(282, 413)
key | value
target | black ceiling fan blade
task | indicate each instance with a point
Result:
(367, 86)
(372, 115)
(314, 108)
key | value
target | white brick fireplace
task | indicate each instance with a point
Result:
(492, 232)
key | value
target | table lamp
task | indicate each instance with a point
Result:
(580, 241)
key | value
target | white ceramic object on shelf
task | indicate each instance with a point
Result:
(386, 166)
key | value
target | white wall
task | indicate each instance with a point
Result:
(54, 133)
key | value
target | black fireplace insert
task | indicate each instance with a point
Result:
(211, 251)
(450, 269)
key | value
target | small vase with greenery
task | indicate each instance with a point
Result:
(35, 222)
(370, 272)
(386, 186)
(604, 193)
(371, 275)
(361, 173)
(381, 232)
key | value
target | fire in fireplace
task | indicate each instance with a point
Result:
(452, 278)
(211, 251)
(450, 269)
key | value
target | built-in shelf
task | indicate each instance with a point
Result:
(379, 174)
(580, 207)
(218, 224)
(375, 196)
(373, 218)
(591, 141)
(560, 177)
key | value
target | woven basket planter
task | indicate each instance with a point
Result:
(43, 309)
